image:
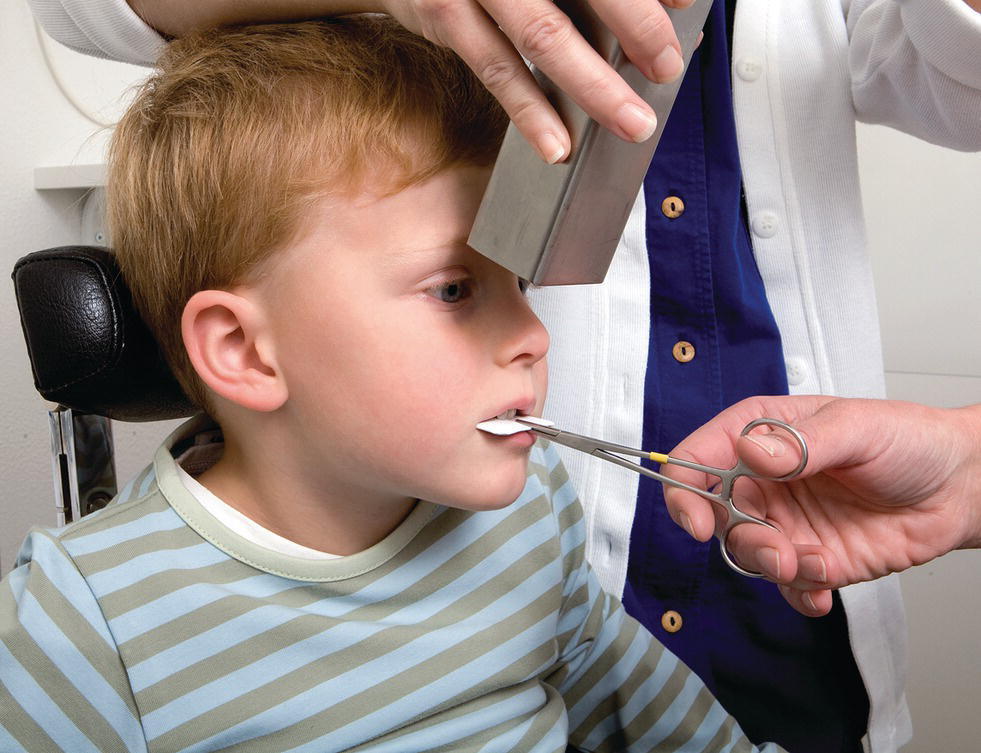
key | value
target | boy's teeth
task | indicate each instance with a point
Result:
(508, 415)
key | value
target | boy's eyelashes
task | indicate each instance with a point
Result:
(460, 288)
(452, 291)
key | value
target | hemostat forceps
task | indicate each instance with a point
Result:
(727, 476)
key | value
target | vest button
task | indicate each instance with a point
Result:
(683, 351)
(673, 207)
(671, 621)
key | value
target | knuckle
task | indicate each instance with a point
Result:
(649, 35)
(599, 88)
(433, 9)
(521, 113)
(434, 15)
(653, 24)
(497, 74)
(544, 34)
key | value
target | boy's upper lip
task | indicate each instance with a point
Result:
(523, 406)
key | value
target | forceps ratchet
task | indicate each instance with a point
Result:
(727, 476)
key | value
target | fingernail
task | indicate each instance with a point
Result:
(812, 568)
(686, 524)
(637, 123)
(771, 444)
(668, 65)
(806, 598)
(768, 559)
(550, 148)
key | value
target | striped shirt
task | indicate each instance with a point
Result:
(150, 627)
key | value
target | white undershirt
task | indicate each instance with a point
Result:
(244, 526)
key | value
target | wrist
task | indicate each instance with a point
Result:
(969, 421)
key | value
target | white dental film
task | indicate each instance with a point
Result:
(504, 427)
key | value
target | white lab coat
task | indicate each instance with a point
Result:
(803, 72)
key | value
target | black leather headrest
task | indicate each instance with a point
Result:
(89, 348)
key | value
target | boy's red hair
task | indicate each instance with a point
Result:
(240, 129)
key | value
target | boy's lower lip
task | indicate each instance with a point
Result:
(521, 439)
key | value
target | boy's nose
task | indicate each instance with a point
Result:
(527, 339)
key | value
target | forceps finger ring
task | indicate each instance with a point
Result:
(727, 480)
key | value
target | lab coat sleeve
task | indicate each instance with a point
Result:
(624, 691)
(914, 66)
(62, 682)
(103, 28)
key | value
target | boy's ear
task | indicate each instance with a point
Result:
(231, 349)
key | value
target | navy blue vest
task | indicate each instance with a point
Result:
(787, 678)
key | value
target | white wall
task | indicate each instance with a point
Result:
(924, 207)
(39, 127)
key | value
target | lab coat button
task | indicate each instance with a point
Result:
(683, 351)
(749, 68)
(607, 548)
(673, 207)
(671, 621)
(765, 224)
(796, 371)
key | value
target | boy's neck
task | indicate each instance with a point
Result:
(278, 491)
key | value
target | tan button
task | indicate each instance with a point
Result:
(683, 351)
(671, 621)
(673, 207)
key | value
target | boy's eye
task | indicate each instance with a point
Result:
(523, 285)
(453, 291)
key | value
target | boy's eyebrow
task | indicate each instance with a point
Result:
(403, 253)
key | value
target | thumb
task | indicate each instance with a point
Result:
(835, 435)
(769, 451)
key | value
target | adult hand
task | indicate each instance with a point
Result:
(492, 36)
(887, 485)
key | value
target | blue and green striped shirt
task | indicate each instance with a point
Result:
(151, 627)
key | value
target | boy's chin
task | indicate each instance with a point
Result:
(487, 494)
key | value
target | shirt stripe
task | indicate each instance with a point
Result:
(475, 631)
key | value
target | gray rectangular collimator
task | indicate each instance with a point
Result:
(560, 224)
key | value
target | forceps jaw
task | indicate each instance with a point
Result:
(580, 442)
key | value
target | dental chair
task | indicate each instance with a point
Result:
(91, 355)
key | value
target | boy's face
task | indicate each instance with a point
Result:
(395, 339)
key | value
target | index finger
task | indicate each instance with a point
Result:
(646, 35)
(546, 36)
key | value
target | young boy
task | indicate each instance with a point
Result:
(347, 562)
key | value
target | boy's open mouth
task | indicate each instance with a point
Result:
(505, 425)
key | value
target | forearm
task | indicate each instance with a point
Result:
(177, 17)
(914, 67)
